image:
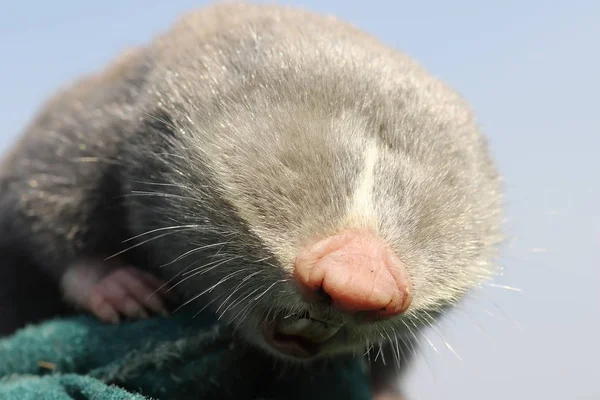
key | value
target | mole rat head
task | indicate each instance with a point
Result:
(354, 225)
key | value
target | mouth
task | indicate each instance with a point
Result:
(299, 336)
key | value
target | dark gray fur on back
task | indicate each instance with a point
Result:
(247, 127)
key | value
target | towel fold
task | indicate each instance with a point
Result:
(172, 358)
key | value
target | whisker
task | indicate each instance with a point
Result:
(263, 259)
(200, 267)
(250, 306)
(163, 184)
(378, 353)
(410, 330)
(430, 343)
(170, 125)
(410, 346)
(255, 302)
(221, 248)
(391, 342)
(247, 310)
(239, 286)
(269, 288)
(431, 321)
(210, 289)
(139, 193)
(172, 279)
(200, 271)
(400, 346)
(209, 303)
(398, 351)
(241, 300)
(514, 322)
(190, 252)
(491, 314)
(95, 160)
(504, 287)
(243, 308)
(382, 353)
(214, 264)
(138, 244)
(161, 229)
(368, 352)
(485, 333)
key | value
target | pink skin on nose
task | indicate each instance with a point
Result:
(358, 271)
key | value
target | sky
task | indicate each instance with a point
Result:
(530, 71)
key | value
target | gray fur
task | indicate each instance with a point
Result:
(247, 125)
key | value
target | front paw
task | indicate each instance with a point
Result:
(110, 291)
(126, 292)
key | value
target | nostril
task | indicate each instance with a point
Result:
(323, 296)
(315, 295)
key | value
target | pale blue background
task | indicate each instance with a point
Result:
(531, 71)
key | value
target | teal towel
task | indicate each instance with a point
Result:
(161, 358)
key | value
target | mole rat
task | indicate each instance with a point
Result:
(314, 188)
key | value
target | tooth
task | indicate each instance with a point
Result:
(295, 327)
(311, 330)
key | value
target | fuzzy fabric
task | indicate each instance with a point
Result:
(162, 358)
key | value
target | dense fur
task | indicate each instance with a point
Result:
(238, 137)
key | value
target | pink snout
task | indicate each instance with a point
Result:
(358, 272)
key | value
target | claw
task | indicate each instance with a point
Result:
(122, 291)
